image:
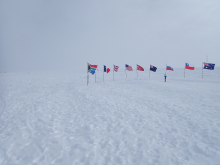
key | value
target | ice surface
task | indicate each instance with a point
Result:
(54, 118)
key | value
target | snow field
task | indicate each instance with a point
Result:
(54, 118)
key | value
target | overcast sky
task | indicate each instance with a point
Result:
(51, 35)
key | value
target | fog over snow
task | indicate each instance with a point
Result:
(64, 35)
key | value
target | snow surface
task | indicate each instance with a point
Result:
(54, 118)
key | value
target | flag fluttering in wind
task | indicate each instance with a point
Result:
(140, 68)
(189, 67)
(129, 68)
(209, 66)
(169, 68)
(92, 68)
(106, 70)
(116, 68)
(153, 68)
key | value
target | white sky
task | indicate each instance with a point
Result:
(56, 35)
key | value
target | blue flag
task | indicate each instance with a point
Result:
(153, 68)
(92, 72)
(209, 66)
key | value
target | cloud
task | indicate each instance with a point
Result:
(54, 35)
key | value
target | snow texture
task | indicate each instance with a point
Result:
(55, 118)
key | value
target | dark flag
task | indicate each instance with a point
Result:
(209, 66)
(153, 68)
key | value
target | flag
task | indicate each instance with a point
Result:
(153, 68)
(140, 68)
(92, 68)
(116, 68)
(92, 72)
(189, 67)
(209, 66)
(106, 70)
(169, 68)
(129, 68)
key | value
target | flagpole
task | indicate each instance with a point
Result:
(125, 73)
(113, 72)
(87, 73)
(95, 77)
(136, 70)
(202, 70)
(149, 72)
(166, 68)
(184, 70)
(103, 73)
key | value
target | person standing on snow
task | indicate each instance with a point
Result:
(165, 76)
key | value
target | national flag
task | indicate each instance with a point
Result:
(189, 67)
(209, 66)
(106, 70)
(169, 68)
(129, 68)
(153, 68)
(92, 72)
(92, 68)
(116, 68)
(140, 68)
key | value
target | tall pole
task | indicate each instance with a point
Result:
(202, 70)
(166, 68)
(149, 72)
(95, 77)
(87, 72)
(113, 72)
(103, 72)
(137, 70)
(125, 72)
(184, 70)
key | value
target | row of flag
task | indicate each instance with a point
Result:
(93, 68)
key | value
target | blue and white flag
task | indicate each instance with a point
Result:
(153, 68)
(209, 66)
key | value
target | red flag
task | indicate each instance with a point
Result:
(189, 67)
(140, 68)
(108, 70)
(94, 66)
(129, 68)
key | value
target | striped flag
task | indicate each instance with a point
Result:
(169, 68)
(189, 67)
(106, 69)
(129, 68)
